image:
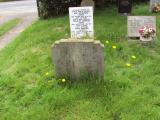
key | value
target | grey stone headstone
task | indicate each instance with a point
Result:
(136, 22)
(87, 3)
(77, 59)
(152, 2)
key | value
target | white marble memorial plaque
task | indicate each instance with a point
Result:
(81, 22)
(136, 22)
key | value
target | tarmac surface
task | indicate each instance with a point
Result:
(25, 10)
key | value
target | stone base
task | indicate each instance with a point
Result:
(78, 59)
(146, 41)
(125, 14)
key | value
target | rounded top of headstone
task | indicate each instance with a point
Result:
(87, 3)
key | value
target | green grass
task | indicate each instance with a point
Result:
(8, 26)
(26, 93)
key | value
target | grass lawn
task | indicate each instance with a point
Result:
(127, 93)
(8, 26)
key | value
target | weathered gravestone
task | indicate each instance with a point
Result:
(88, 3)
(136, 22)
(81, 22)
(152, 2)
(125, 6)
(78, 57)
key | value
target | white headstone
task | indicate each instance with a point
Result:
(81, 22)
(152, 2)
(136, 22)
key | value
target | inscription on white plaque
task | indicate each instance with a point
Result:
(136, 22)
(81, 22)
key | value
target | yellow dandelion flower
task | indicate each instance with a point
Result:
(114, 47)
(128, 64)
(134, 57)
(49, 81)
(107, 42)
(63, 80)
(47, 74)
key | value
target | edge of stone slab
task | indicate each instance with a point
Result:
(77, 40)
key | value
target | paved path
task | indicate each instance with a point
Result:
(25, 10)
(10, 10)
